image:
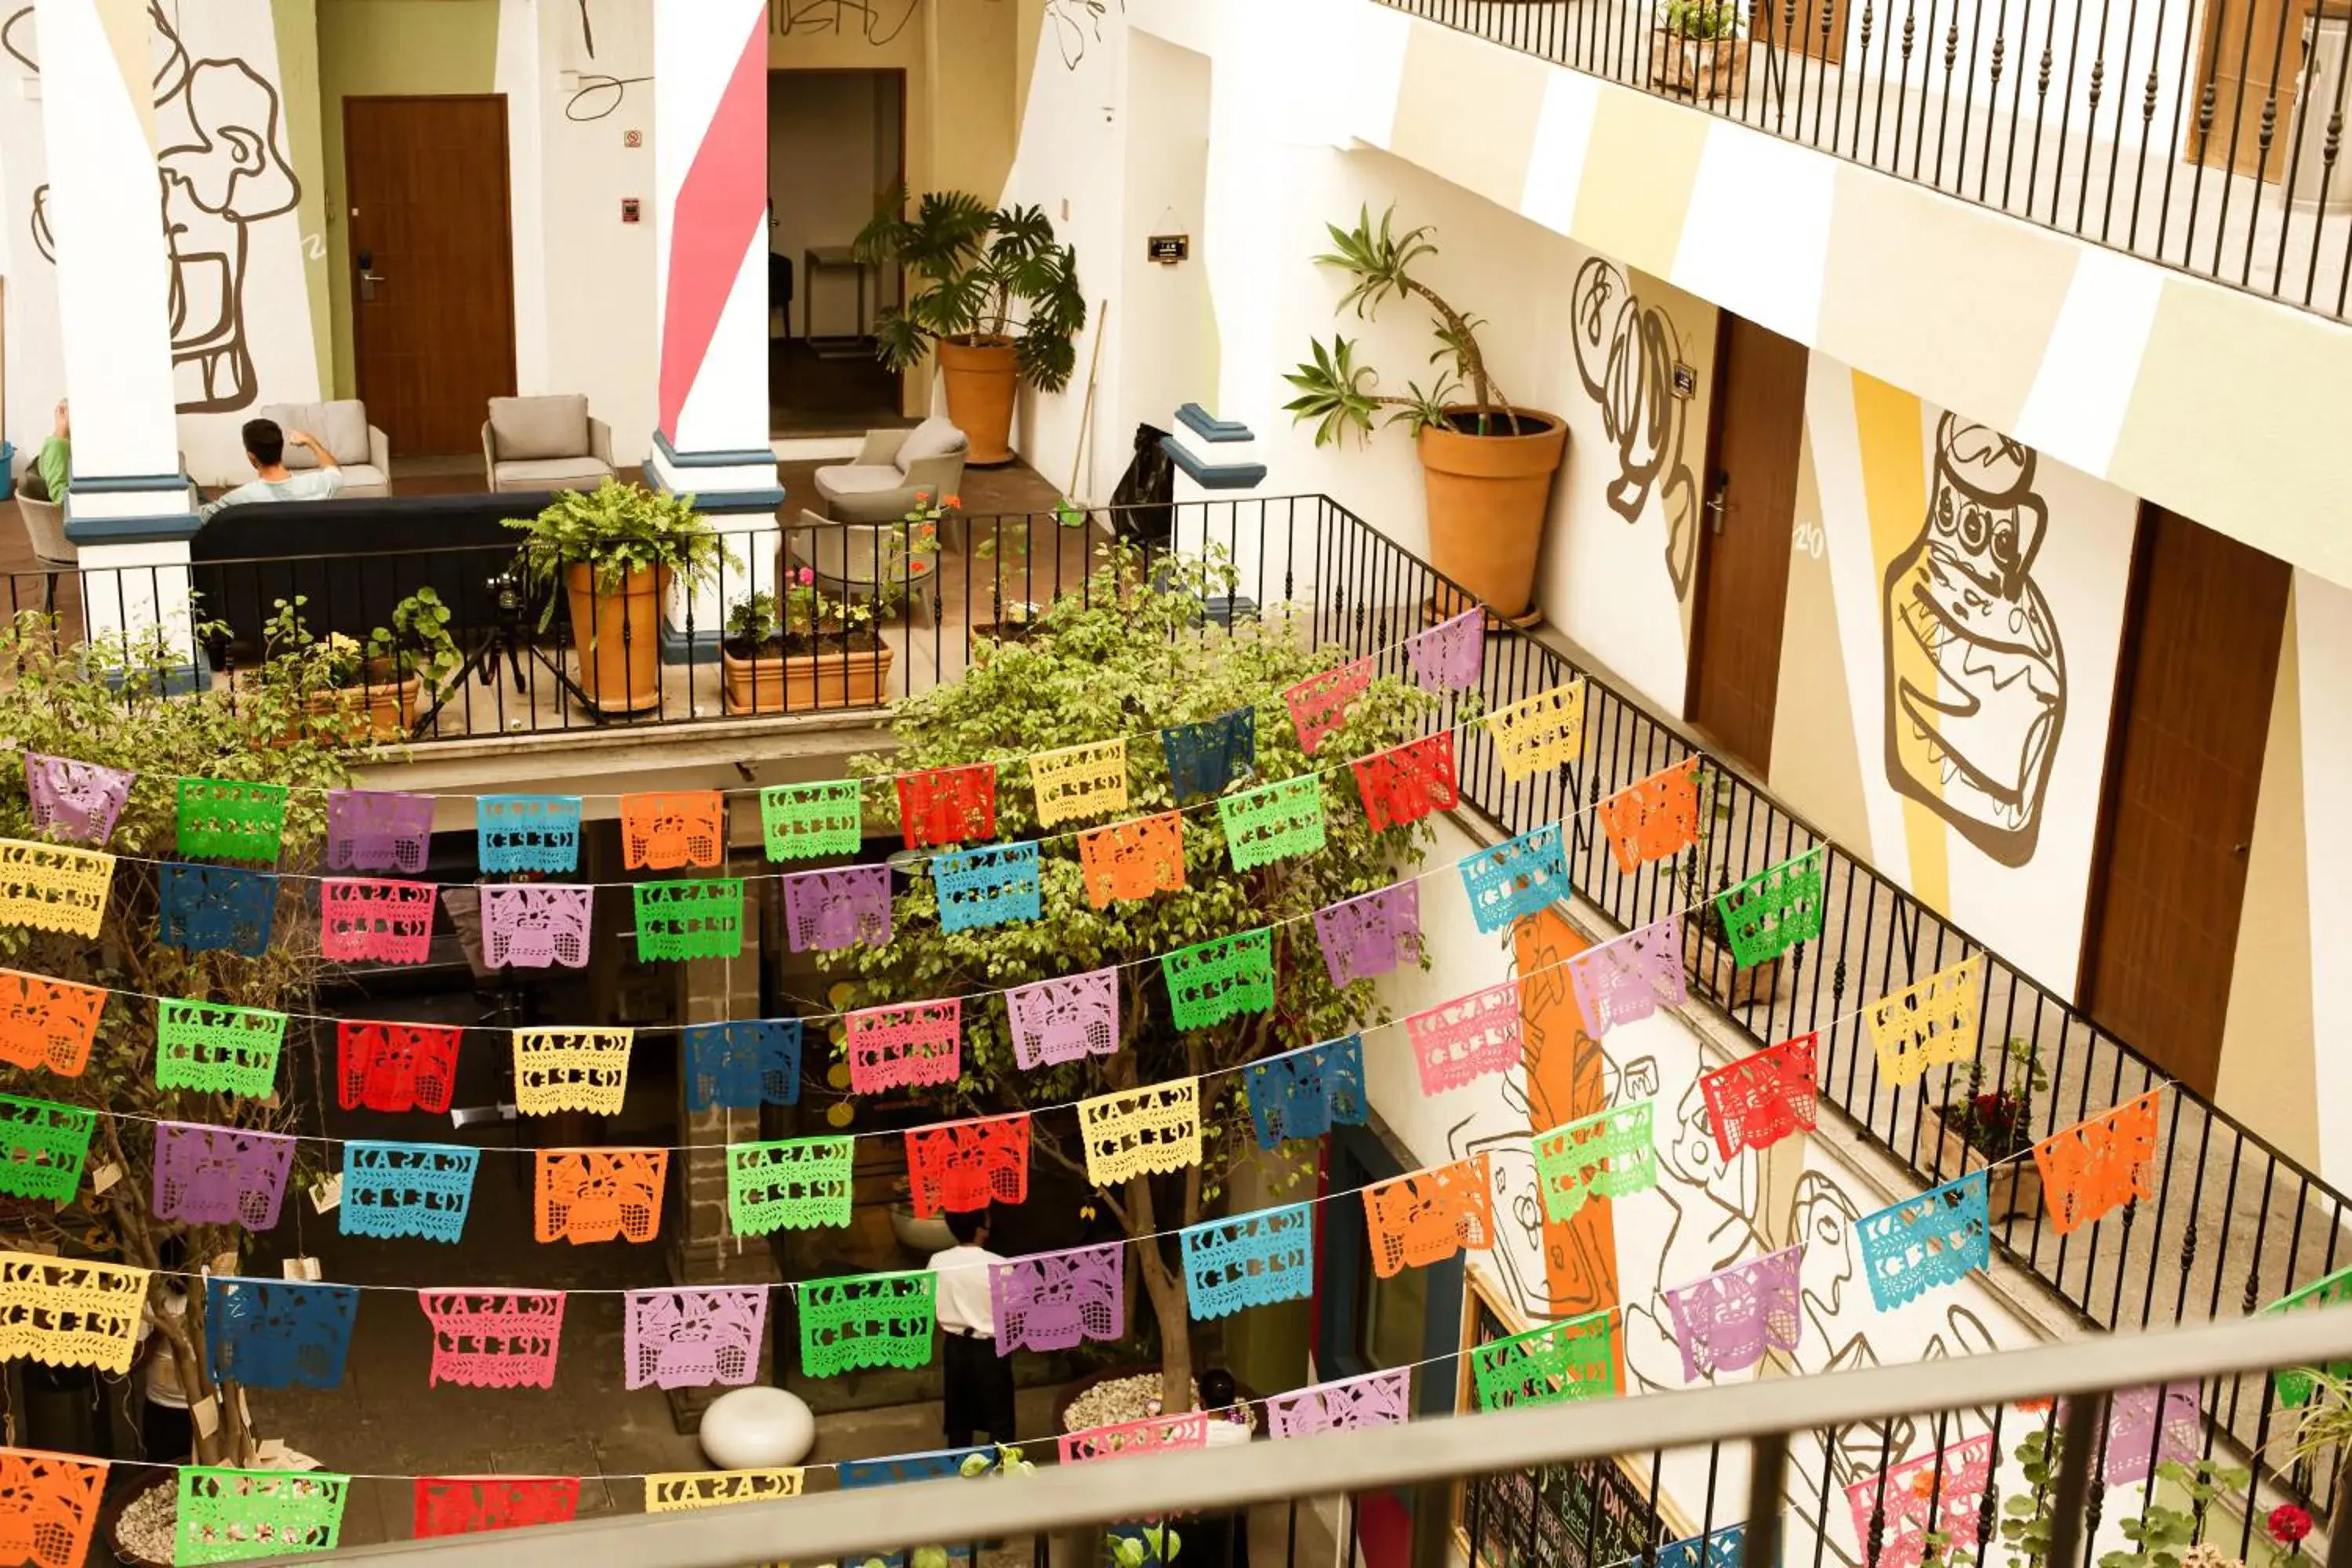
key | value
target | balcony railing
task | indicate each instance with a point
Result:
(2205, 135)
(1754, 1439)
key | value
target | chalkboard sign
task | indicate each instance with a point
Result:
(1167, 249)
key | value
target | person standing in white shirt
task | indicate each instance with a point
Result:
(979, 1392)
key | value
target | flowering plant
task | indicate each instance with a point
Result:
(2288, 1525)
(1996, 1122)
(805, 620)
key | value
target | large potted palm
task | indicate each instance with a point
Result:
(614, 551)
(1486, 465)
(996, 296)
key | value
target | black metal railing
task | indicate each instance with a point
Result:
(2203, 137)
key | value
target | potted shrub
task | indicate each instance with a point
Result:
(1986, 1126)
(994, 293)
(614, 551)
(1700, 882)
(808, 652)
(1695, 49)
(1486, 465)
(369, 690)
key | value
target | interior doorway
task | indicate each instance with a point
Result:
(836, 146)
(1743, 571)
(432, 265)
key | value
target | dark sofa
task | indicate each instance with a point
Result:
(353, 559)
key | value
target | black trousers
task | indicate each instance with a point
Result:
(979, 1395)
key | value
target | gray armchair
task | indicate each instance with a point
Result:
(546, 443)
(362, 452)
(44, 530)
(893, 467)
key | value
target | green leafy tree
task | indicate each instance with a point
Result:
(105, 705)
(1131, 659)
(983, 275)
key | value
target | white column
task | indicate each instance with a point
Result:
(710, 201)
(130, 510)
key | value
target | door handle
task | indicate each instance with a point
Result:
(368, 281)
(1716, 503)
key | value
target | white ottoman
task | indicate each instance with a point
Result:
(757, 1428)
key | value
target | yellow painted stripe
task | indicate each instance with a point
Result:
(1889, 426)
(1640, 169)
(126, 25)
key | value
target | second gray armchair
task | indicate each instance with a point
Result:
(893, 467)
(546, 443)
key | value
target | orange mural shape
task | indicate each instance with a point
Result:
(601, 1194)
(1567, 1080)
(1427, 1216)
(1655, 818)
(2095, 1167)
(48, 1507)
(48, 1022)
(1133, 859)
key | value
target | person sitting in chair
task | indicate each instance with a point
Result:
(265, 448)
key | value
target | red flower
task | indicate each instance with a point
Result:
(2289, 1524)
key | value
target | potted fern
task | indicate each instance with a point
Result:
(1486, 465)
(995, 295)
(615, 550)
(1695, 49)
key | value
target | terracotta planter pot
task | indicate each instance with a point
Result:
(806, 682)
(1700, 69)
(616, 637)
(2013, 1190)
(1489, 496)
(383, 709)
(981, 378)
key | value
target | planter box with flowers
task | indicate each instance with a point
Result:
(1994, 1127)
(809, 652)
(1695, 49)
(355, 691)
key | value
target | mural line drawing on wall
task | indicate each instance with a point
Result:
(1976, 675)
(788, 16)
(598, 93)
(225, 167)
(1626, 355)
(1075, 24)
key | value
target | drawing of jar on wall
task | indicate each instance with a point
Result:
(1975, 678)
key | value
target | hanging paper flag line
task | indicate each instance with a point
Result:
(1928, 1023)
(51, 887)
(2296, 1385)
(1724, 1548)
(805, 822)
(947, 807)
(676, 1491)
(1558, 1363)
(1471, 1037)
(70, 1313)
(392, 1190)
(49, 1505)
(1348, 1405)
(220, 1176)
(1212, 981)
(1628, 979)
(1727, 1322)
(215, 909)
(867, 1321)
(797, 1184)
(1079, 781)
(667, 830)
(572, 1069)
(690, 920)
(229, 1515)
(693, 1338)
(229, 819)
(75, 801)
(1608, 1154)
(964, 1166)
(588, 1195)
(2149, 1426)
(1318, 704)
(913, 1044)
(493, 1339)
(279, 1334)
(1539, 732)
(1147, 1131)
(1407, 783)
(1450, 655)
(1274, 822)
(1775, 910)
(378, 830)
(1371, 934)
(1939, 1493)
(1516, 877)
(1059, 1021)
(536, 926)
(1133, 859)
(1304, 1093)
(1248, 1260)
(994, 885)
(1058, 1301)
(468, 1505)
(846, 906)
(528, 833)
(1939, 1238)
(213, 1047)
(42, 1148)
(742, 1065)
(2096, 1166)
(46, 1023)
(1758, 1099)
(1125, 1439)
(1427, 1216)
(1209, 757)
(394, 1066)
(1655, 818)
(377, 921)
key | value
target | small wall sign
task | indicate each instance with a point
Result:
(1685, 380)
(632, 210)
(1167, 249)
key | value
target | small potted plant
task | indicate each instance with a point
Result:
(808, 651)
(1987, 1126)
(615, 552)
(992, 291)
(367, 690)
(1695, 49)
(1486, 465)
(1704, 946)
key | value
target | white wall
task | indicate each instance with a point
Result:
(1166, 324)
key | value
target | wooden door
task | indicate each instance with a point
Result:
(2184, 764)
(432, 265)
(2252, 62)
(1791, 27)
(1743, 574)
